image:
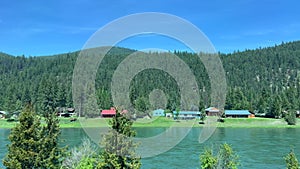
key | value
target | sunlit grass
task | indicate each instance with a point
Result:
(168, 122)
(256, 122)
(5, 124)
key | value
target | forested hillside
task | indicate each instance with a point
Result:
(266, 80)
(263, 80)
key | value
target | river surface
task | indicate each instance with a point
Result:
(257, 147)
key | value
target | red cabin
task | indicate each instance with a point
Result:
(108, 113)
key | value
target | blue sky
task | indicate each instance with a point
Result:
(36, 28)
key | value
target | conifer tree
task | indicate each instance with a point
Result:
(50, 155)
(290, 117)
(91, 107)
(118, 145)
(25, 142)
(33, 145)
(291, 161)
(225, 159)
(208, 160)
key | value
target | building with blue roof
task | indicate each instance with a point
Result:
(238, 113)
(188, 114)
(158, 112)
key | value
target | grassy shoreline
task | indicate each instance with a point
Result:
(167, 122)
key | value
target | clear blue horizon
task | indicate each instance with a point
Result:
(37, 28)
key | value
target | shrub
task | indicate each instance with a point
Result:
(221, 120)
(226, 158)
(291, 161)
(208, 160)
(10, 120)
(290, 118)
(86, 163)
(81, 156)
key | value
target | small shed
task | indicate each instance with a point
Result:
(212, 111)
(238, 113)
(158, 112)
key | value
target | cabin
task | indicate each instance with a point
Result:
(3, 114)
(108, 113)
(63, 112)
(158, 113)
(186, 115)
(238, 114)
(212, 111)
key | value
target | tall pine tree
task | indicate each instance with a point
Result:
(50, 155)
(34, 145)
(118, 145)
(25, 139)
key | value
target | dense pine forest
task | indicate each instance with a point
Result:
(264, 80)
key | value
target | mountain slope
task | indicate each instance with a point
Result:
(255, 79)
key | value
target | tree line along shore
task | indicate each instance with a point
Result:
(264, 81)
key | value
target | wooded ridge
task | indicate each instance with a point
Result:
(264, 80)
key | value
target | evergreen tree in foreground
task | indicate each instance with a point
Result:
(208, 160)
(33, 145)
(119, 148)
(25, 138)
(291, 161)
(225, 159)
(51, 155)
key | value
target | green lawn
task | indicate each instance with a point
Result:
(256, 122)
(100, 122)
(167, 122)
(5, 124)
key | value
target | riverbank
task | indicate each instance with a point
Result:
(257, 123)
(167, 122)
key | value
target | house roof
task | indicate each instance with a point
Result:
(70, 109)
(108, 112)
(158, 111)
(237, 112)
(212, 109)
(187, 112)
